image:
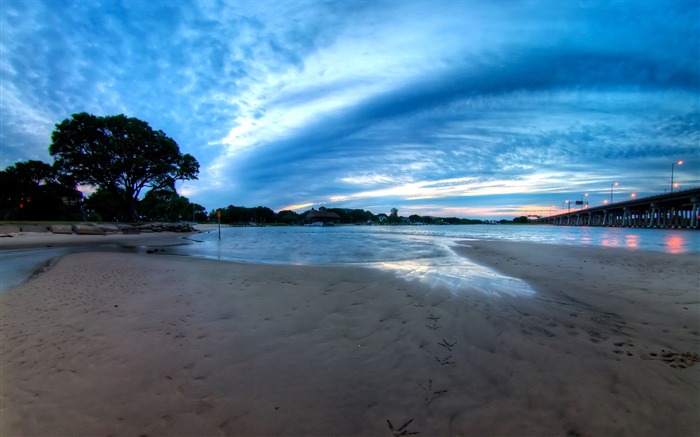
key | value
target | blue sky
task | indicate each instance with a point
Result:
(476, 109)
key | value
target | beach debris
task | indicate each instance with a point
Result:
(676, 360)
(430, 393)
(444, 361)
(6, 230)
(447, 345)
(61, 229)
(402, 429)
(164, 227)
(88, 229)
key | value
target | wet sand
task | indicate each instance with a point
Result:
(25, 254)
(34, 240)
(137, 344)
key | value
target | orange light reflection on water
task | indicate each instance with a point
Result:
(628, 241)
(675, 244)
(610, 242)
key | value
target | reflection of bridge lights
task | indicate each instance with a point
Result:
(674, 244)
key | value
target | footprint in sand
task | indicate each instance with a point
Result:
(676, 360)
(624, 345)
(402, 430)
(444, 361)
(431, 394)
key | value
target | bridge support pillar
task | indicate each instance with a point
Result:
(625, 217)
(695, 212)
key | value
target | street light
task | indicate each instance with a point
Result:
(568, 203)
(583, 204)
(672, 165)
(611, 191)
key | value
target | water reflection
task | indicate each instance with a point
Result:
(674, 244)
(457, 274)
(610, 241)
(586, 239)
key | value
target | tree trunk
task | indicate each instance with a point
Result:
(131, 202)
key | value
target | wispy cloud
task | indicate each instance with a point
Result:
(413, 104)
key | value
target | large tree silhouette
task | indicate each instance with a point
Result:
(119, 154)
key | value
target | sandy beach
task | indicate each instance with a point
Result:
(32, 240)
(135, 344)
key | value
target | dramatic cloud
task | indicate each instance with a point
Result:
(469, 108)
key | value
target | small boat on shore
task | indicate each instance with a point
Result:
(319, 224)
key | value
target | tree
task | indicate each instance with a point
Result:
(288, 216)
(360, 216)
(263, 214)
(414, 218)
(199, 213)
(394, 216)
(30, 191)
(165, 205)
(106, 205)
(119, 154)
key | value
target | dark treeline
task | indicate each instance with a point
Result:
(32, 190)
(261, 215)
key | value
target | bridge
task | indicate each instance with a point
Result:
(677, 210)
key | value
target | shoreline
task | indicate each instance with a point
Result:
(37, 240)
(129, 344)
(28, 255)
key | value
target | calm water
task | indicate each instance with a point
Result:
(362, 244)
(412, 252)
(419, 252)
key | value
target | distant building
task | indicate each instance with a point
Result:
(321, 216)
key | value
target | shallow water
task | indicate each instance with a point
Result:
(362, 244)
(419, 252)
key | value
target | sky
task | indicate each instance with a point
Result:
(463, 108)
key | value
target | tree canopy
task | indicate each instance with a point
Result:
(120, 155)
(30, 191)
